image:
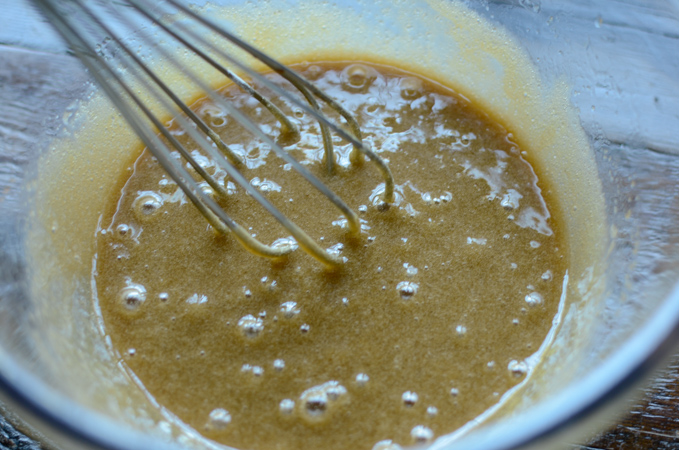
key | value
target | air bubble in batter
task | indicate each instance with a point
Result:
(357, 78)
(407, 289)
(517, 368)
(533, 299)
(286, 243)
(387, 444)
(132, 296)
(279, 365)
(421, 434)
(147, 204)
(286, 406)
(362, 379)
(411, 88)
(218, 419)
(409, 398)
(289, 310)
(124, 230)
(251, 326)
(318, 402)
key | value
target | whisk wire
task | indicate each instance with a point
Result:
(302, 85)
(349, 214)
(205, 205)
(288, 126)
(213, 212)
(325, 133)
(114, 85)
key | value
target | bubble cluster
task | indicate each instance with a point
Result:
(410, 269)
(206, 189)
(218, 419)
(387, 444)
(357, 78)
(421, 434)
(409, 398)
(165, 184)
(517, 368)
(362, 379)
(466, 139)
(231, 188)
(411, 88)
(132, 296)
(146, 204)
(533, 299)
(511, 199)
(214, 114)
(407, 289)
(286, 243)
(336, 249)
(265, 185)
(477, 241)
(269, 284)
(251, 326)
(256, 371)
(196, 299)
(124, 230)
(318, 401)
(313, 72)
(289, 310)
(286, 406)
(279, 365)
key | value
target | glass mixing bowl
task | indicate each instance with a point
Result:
(615, 63)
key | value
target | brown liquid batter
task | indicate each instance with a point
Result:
(428, 323)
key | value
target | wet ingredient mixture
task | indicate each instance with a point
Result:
(440, 301)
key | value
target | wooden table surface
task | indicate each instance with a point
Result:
(652, 422)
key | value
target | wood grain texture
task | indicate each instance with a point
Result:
(650, 423)
(11, 439)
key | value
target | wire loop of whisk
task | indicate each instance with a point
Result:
(99, 34)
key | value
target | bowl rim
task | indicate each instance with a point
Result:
(568, 409)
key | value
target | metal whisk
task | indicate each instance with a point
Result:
(98, 32)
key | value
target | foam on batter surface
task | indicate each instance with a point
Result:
(429, 322)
